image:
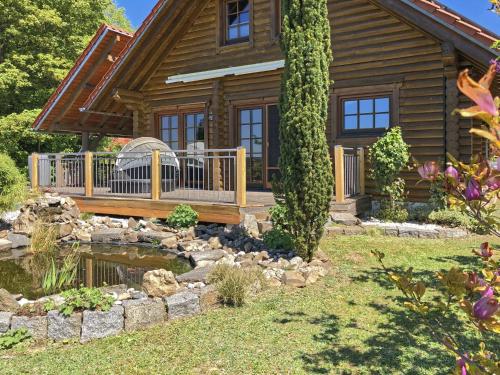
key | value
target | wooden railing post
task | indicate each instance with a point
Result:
(216, 176)
(89, 176)
(59, 171)
(241, 177)
(339, 174)
(362, 172)
(34, 171)
(155, 175)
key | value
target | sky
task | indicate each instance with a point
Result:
(476, 10)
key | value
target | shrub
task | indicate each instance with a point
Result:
(278, 239)
(235, 284)
(85, 299)
(420, 214)
(183, 217)
(388, 156)
(12, 184)
(13, 337)
(43, 238)
(279, 217)
(454, 218)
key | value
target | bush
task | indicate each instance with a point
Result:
(395, 213)
(235, 284)
(85, 299)
(13, 337)
(420, 214)
(183, 217)
(279, 217)
(278, 239)
(456, 219)
(12, 184)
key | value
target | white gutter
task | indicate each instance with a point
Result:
(68, 83)
(232, 71)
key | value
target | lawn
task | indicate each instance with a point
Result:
(349, 323)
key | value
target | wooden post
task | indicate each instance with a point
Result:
(89, 273)
(89, 177)
(339, 174)
(362, 172)
(155, 175)
(241, 177)
(34, 171)
(59, 171)
(216, 176)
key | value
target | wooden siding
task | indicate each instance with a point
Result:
(371, 48)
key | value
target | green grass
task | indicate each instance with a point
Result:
(349, 323)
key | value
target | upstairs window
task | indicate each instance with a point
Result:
(368, 114)
(276, 18)
(237, 21)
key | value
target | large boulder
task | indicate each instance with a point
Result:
(5, 318)
(7, 302)
(18, 240)
(62, 328)
(159, 283)
(154, 236)
(182, 305)
(100, 324)
(37, 326)
(197, 275)
(140, 314)
(108, 235)
(294, 279)
(204, 256)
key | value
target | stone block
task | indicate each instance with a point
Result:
(5, 318)
(37, 326)
(199, 274)
(140, 314)
(108, 235)
(100, 324)
(209, 297)
(293, 278)
(18, 240)
(182, 305)
(5, 245)
(154, 236)
(211, 255)
(62, 328)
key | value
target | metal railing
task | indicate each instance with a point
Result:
(199, 175)
(349, 172)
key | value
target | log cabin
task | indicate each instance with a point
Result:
(207, 73)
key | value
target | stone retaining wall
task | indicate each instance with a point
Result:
(128, 315)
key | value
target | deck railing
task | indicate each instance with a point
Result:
(349, 172)
(202, 175)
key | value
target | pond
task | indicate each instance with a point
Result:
(98, 265)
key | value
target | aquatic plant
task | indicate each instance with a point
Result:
(57, 277)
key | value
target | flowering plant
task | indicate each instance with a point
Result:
(467, 295)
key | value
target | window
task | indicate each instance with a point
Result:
(251, 126)
(181, 131)
(237, 21)
(365, 114)
(276, 18)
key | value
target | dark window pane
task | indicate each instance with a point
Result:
(244, 5)
(200, 134)
(382, 121)
(232, 7)
(366, 122)
(366, 106)
(200, 119)
(382, 105)
(350, 122)
(350, 107)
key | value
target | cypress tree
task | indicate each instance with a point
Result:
(305, 164)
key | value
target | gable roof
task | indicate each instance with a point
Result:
(65, 102)
(457, 21)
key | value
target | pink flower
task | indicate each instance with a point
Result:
(429, 171)
(462, 365)
(496, 63)
(452, 174)
(473, 191)
(479, 92)
(493, 183)
(486, 307)
(485, 251)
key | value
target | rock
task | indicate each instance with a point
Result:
(199, 274)
(138, 295)
(37, 326)
(170, 243)
(130, 236)
(296, 263)
(293, 278)
(7, 302)
(182, 305)
(62, 328)
(5, 318)
(82, 235)
(114, 289)
(5, 245)
(211, 255)
(154, 236)
(215, 243)
(108, 235)
(209, 297)
(18, 240)
(99, 324)
(250, 225)
(65, 229)
(312, 276)
(132, 223)
(265, 226)
(159, 283)
(140, 314)
(345, 218)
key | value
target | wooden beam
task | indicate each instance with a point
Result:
(34, 171)
(241, 178)
(155, 175)
(362, 171)
(89, 180)
(339, 174)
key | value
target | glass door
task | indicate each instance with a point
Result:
(251, 134)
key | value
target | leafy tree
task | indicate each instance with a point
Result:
(39, 42)
(305, 162)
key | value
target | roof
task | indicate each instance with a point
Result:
(87, 71)
(456, 20)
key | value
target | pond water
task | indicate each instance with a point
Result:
(98, 265)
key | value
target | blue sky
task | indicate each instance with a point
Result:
(476, 10)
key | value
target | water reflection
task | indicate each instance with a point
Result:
(99, 265)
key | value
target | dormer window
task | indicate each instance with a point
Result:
(237, 21)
